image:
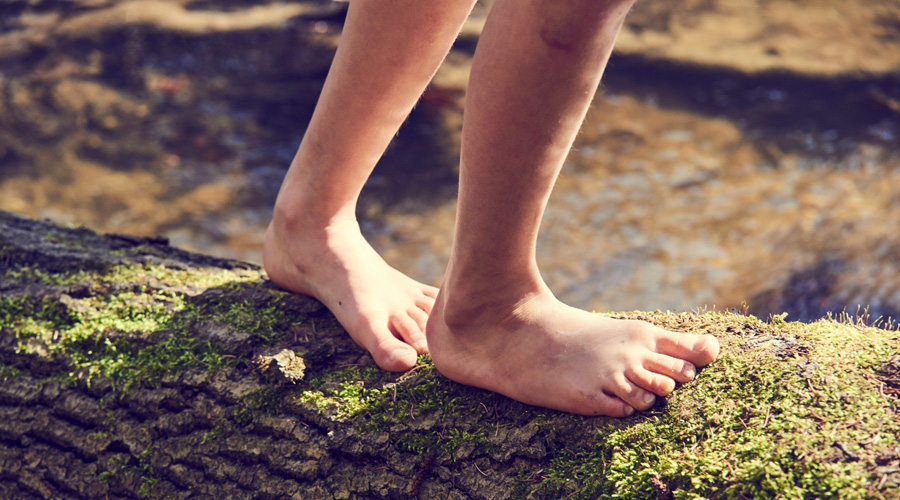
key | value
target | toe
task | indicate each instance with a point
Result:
(631, 394)
(425, 302)
(430, 291)
(655, 383)
(677, 369)
(604, 404)
(700, 350)
(419, 316)
(404, 327)
(710, 349)
(393, 354)
(389, 352)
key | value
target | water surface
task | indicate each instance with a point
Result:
(689, 186)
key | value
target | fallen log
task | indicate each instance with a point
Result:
(132, 369)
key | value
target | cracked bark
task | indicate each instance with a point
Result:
(62, 437)
(284, 416)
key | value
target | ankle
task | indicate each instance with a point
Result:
(298, 241)
(467, 303)
(301, 206)
(295, 218)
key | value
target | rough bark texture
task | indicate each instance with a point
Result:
(132, 369)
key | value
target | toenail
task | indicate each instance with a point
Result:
(689, 371)
(649, 398)
(399, 354)
(628, 411)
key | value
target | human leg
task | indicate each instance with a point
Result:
(387, 55)
(495, 324)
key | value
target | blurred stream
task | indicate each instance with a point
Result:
(689, 186)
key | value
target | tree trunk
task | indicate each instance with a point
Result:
(133, 369)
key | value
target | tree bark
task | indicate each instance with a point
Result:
(131, 369)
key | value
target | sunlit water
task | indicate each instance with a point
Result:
(665, 208)
(686, 189)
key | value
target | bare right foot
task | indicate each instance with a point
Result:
(532, 348)
(384, 310)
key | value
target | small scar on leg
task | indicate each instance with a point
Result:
(555, 43)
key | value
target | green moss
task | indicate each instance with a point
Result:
(267, 400)
(67, 239)
(268, 323)
(98, 435)
(367, 391)
(7, 252)
(119, 467)
(424, 404)
(108, 336)
(343, 392)
(131, 363)
(126, 312)
(147, 484)
(167, 276)
(148, 481)
(215, 434)
(25, 274)
(447, 441)
(131, 325)
(32, 315)
(115, 466)
(753, 425)
(242, 416)
(761, 422)
(113, 274)
(7, 372)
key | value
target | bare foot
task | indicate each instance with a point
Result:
(537, 350)
(384, 310)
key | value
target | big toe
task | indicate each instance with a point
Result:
(700, 350)
(707, 349)
(394, 355)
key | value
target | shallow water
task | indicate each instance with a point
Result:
(663, 206)
(687, 188)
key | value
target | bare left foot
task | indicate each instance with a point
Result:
(384, 310)
(528, 346)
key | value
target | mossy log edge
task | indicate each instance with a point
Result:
(131, 369)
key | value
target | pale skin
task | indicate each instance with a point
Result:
(494, 324)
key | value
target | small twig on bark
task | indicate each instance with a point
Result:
(420, 476)
(664, 492)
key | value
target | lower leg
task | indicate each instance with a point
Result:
(388, 53)
(495, 324)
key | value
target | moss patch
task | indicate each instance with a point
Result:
(264, 321)
(774, 417)
(790, 410)
(130, 322)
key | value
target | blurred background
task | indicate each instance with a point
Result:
(740, 153)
